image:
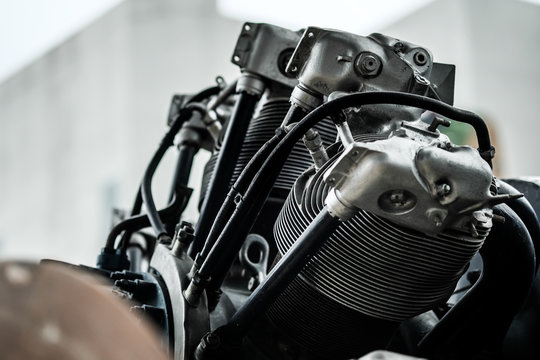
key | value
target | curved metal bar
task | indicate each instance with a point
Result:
(509, 266)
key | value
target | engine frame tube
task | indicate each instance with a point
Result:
(509, 267)
(184, 162)
(250, 88)
(521, 338)
(526, 213)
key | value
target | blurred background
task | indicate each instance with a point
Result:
(85, 90)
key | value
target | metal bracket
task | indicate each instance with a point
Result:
(264, 50)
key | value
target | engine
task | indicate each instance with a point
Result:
(336, 217)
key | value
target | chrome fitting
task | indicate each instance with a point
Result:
(305, 99)
(251, 84)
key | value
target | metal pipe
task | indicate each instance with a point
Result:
(526, 213)
(146, 186)
(184, 162)
(307, 245)
(481, 319)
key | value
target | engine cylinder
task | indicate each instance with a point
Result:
(370, 266)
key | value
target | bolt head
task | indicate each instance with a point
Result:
(436, 220)
(443, 190)
(397, 197)
(368, 64)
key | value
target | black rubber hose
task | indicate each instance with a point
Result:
(307, 245)
(526, 213)
(203, 95)
(521, 341)
(481, 319)
(240, 186)
(186, 154)
(234, 232)
(184, 162)
(138, 222)
(224, 168)
(244, 180)
(137, 204)
(146, 187)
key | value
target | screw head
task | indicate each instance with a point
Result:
(397, 197)
(443, 189)
(436, 220)
(397, 201)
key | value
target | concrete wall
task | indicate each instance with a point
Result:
(79, 125)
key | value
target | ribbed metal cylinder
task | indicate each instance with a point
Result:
(369, 265)
(261, 128)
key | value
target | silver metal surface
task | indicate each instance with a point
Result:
(344, 133)
(416, 179)
(251, 84)
(314, 144)
(328, 60)
(305, 99)
(189, 323)
(255, 243)
(265, 49)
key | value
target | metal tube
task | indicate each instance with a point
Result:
(481, 319)
(307, 245)
(137, 205)
(526, 213)
(186, 153)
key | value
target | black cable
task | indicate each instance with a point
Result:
(146, 187)
(244, 180)
(203, 95)
(240, 186)
(137, 222)
(137, 205)
(234, 232)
